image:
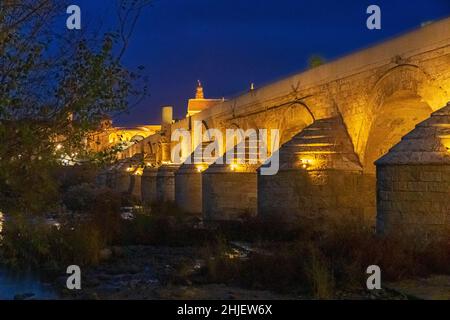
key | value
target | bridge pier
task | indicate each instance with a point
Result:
(413, 181)
(229, 194)
(188, 188)
(148, 185)
(320, 177)
(188, 180)
(122, 180)
(135, 186)
(102, 178)
(296, 194)
(165, 183)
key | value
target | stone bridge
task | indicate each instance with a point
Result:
(334, 120)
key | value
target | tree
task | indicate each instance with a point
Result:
(316, 60)
(55, 88)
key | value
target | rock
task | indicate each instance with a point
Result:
(90, 296)
(103, 277)
(24, 296)
(94, 282)
(105, 254)
(118, 251)
(133, 269)
(432, 288)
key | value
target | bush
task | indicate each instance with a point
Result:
(38, 246)
(69, 176)
(161, 230)
(80, 198)
(105, 213)
(326, 260)
(30, 243)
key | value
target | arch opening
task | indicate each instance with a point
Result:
(294, 120)
(137, 138)
(397, 116)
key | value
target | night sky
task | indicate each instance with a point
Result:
(228, 44)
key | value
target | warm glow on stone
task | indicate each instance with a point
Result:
(306, 163)
(200, 168)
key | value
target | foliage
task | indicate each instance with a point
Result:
(162, 230)
(34, 244)
(55, 88)
(315, 61)
(80, 198)
(69, 176)
(319, 260)
(39, 246)
(322, 262)
(105, 213)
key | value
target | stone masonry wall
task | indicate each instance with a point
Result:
(165, 184)
(148, 185)
(413, 197)
(188, 192)
(296, 194)
(229, 196)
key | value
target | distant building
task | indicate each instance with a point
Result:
(200, 103)
(108, 136)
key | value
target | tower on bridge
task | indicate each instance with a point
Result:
(200, 103)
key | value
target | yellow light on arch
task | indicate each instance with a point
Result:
(306, 163)
(200, 168)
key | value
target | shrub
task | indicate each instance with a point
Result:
(129, 200)
(34, 245)
(161, 230)
(69, 176)
(30, 243)
(105, 213)
(80, 198)
(326, 259)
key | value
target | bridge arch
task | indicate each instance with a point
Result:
(137, 138)
(113, 138)
(293, 120)
(400, 99)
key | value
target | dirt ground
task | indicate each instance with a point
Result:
(146, 272)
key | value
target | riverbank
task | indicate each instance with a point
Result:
(178, 273)
(153, 272)
(173, 273)
(165, 255)
(25, 286)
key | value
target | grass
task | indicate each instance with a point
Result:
(317, 259)
(30, 243)
(37, 246)
(323, 261)
(163, 224)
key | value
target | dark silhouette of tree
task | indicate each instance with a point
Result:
(315, 61)
(56, 86)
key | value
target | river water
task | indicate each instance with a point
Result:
(13, 285)
(22, 285)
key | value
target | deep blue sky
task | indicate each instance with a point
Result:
(228, 44)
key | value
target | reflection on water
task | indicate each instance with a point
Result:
(21, 285)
